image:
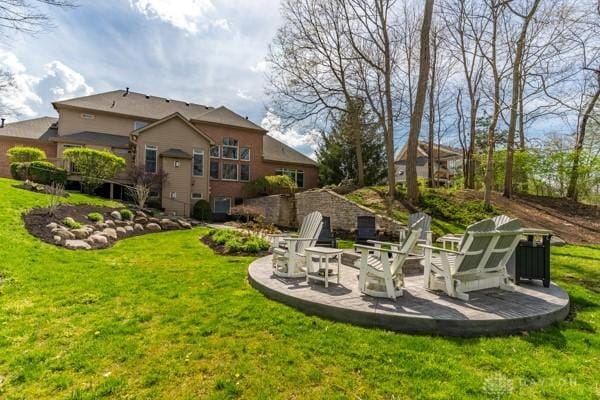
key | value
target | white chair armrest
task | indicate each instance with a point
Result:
(440, 249)
(378, 249)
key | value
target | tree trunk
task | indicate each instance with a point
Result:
(360, 164)
(417, 113)
(572, 190)
(430, 169)
(516, 85)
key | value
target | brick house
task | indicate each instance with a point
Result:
(208, 153)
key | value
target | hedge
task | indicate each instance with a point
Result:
(275, 184)
(20, 154)
(202, 211)
(43, 172)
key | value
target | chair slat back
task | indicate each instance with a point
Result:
(325, 235)
(311, 228)
(474, 246)
(508, 234)
(426, 227)
(501, 220)
(414, 234)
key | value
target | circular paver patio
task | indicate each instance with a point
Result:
(488, 312)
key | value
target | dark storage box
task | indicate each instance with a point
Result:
(532, 259)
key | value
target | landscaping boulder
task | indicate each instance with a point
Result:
(57, 239)
(77, 245)
(63, 233)
(154, 220)
(110, 223)
(115, 215)
(153, 227)
(101, 225)
(98, 238)
(121, 231)
(80, 233)
(52, 225)
(110, 233)
(168, 225)
(140, 214)
(184, 224)
(557, 241)
(141, 220)
(138, 228)
(128, 229)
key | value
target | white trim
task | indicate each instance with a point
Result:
(218, 170)
(236, 172)
(240, 173)
(195, 197)
(173, 195)
(155, 148)
(210, 148)
(249, 154)
(236, 147)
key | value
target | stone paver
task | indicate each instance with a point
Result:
(488, 312)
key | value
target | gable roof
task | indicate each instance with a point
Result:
(139, 105)
(175, 153)
(43, 128)
(445, 152)
(274, 150)
(170, 117)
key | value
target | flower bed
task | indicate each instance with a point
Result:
(89, 227)
(234, 242)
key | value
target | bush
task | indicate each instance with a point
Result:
(126, 214)
(43, 172)
(237, 242)
(268, 185)
(442, 205)
(95, 166)
(71, 223)
(46, 173)
(20, 154)
(202, 211)
(95, 217)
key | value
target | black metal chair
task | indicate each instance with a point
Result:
(327, 237)
(366, 229)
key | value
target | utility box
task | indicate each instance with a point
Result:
(531, 259)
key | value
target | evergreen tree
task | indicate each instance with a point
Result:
(337, 154)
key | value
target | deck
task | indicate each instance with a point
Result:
(488, 312)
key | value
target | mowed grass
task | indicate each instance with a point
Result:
(161, 317)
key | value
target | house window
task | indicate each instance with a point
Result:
(150, 158)
(196, 195)
(222, 205)
(215, 151)
(244, 154)
(138, 125)
(230, 148)
(153, 194)
(198, 163)
(296, 175)
(214, 169)
(173, 195)
(230, 172)
(244, 172)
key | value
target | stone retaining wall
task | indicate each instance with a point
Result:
(287, 210)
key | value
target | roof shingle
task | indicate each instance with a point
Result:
(38, 128)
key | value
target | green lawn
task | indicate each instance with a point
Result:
(161, 317)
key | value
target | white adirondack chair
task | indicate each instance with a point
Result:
(380, 274)
(288, 262)
(426, 234)
(501, 219)
(479, 263)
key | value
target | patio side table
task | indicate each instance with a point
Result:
(325, 255)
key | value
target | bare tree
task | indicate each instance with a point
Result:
(27, 15)
(517, 80)
(311, 67)
(143, 183)
(372, 35)
(417, 113)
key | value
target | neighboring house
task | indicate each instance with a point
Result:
(208, 153)
(447, 161)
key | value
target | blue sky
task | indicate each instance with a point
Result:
(206, 51)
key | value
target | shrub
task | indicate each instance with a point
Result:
(95, 217)
(202, 211)
(126, 214)
(18, 170)
(21, 154)
(247, 213)
(442, 205)
(236, 242)
(268, 185)
(46, 173)
(71, 223)
(95, 166)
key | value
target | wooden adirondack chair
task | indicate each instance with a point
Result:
(479, 263)
(366, 229)
(426, 234)
(288, 262)
(380, 274)
(501, 219)
(326, 237)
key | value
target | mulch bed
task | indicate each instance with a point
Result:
(37, 219)
(220, 249)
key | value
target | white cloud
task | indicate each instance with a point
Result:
(243, 94)
(29, 94)
(306, 142)
(260, 66)
(188, 15)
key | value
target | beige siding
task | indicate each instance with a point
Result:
(176, 134)
(71, 122)
(178, 181)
